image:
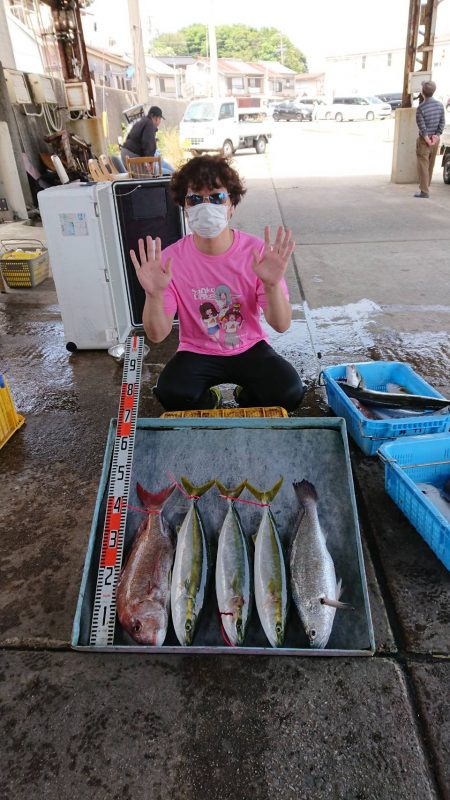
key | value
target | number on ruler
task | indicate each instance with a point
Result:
(107, 580)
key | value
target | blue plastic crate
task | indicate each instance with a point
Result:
(424, 459)
(370, 434)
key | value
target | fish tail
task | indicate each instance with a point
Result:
(305, 492)
(151, 499)
(231, 492)
(265, 495)
(195, 490)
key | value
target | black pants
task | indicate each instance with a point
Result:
(266, 378)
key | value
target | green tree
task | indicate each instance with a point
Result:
(234, 41)
(196, 39)
(169, 44)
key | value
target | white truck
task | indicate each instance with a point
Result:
(221, 125)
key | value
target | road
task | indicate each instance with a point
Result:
(329, 149)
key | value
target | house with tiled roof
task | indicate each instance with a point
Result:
(310, 84)
(279, 81)
(235, 77)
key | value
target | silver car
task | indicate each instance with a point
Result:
(351, 107)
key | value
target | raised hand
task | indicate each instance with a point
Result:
(152, 274)
(271, 265)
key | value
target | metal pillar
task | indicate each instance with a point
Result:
(71, 45)
(419, 42)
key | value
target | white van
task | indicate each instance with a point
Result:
(357, 107)
(220, 125)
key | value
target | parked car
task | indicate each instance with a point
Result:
(292, 110)
(394, 99)
(355, 106)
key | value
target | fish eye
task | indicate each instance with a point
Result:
(312, 633)
(278, 627)
(137, 626)
(188, 625)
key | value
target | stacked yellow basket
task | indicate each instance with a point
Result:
(10, 420)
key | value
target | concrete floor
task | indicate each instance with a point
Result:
(369, 280)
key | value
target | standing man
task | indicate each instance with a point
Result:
(430, 118)
(141, 140)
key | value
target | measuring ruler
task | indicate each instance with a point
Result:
(104, 613)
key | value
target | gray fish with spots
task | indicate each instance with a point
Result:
(313, 578)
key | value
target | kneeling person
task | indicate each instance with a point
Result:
(217, 279)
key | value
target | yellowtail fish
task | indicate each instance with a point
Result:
(143, 589)
(191, 568)
(313, 579)
(271, 589)
(233, 571)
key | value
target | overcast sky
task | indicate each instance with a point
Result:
(317, 27)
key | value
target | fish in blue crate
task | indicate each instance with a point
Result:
(439, 498)
(315, 589)
(395, 402)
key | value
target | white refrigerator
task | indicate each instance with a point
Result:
(90, 229)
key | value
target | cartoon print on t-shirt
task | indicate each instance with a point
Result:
(223, 298)
(231, 323)
(209, 315)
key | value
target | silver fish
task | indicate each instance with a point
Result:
(436, 498)
(353, 376)
(271, 586)
(373, 397)
(233, 571)
(313, 578)
(191, 568)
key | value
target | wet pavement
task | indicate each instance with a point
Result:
(369, 280)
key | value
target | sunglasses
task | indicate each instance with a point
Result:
(217, 199)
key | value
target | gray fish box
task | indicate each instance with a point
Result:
(230, 450)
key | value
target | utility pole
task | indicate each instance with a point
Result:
(419, 42)
(138, 51)
(13, 176)
(213, 51)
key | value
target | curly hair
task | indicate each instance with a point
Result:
(207, 172)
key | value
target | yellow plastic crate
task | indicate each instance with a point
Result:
(24, 264)
(254, 411)
(10, 420)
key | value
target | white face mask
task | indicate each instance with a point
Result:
(207, 220)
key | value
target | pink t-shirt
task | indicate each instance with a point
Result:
(218, 298)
